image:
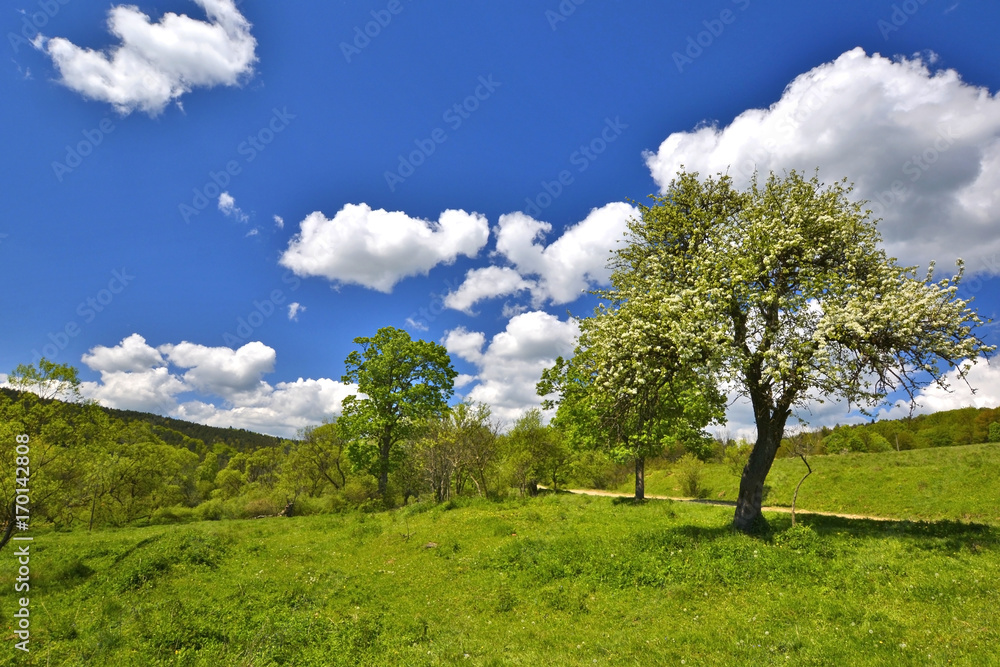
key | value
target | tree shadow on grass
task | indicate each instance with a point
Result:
(944, 535)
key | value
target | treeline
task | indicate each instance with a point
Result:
(91, 468)
(964, 426)
(177, 431)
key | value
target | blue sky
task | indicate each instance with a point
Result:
(205, 202)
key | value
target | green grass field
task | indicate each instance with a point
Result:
(959, 483)
(556, 580)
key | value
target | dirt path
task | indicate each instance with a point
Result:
(729, 503)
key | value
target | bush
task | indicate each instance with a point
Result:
(265, 506)
(877, 443)
(995, 432)
(210, 510)
(178, 514)
(595, 470)
(689, 471)
(358, 490)
(736, 458)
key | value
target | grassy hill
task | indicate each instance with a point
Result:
(959, 483)
(557, 580)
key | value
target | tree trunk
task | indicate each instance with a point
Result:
(383, 468)
(751, 493)
(10, 526)
(640, 478)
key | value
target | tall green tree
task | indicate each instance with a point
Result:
(787, 286)
(401, 383)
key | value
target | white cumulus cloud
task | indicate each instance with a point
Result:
(378, 248)
(183, 380)
(156, 63)
(512, 363)
(556, 273)
(133, 354)
(222, 370)
(486, 283)
(922, 146)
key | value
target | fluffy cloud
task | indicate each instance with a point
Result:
(560, 272)
(136, 376)
(221, 370)
(513, 362)
(156, 63)
(486, 283)
(131, 355)
(983, 378)
(150, 390)
(467, 345)
(377, 248)
(283, 411)
(923, 147)
(294, 309)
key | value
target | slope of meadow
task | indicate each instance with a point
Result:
(556, 580)
(958, 483)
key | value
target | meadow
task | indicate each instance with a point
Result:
(554, 580)
(956, 483)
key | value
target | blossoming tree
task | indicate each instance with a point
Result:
(784, 292)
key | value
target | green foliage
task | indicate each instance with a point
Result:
(690, 470)
(736, 456)
(50, 380)
(535, 454)
(994, 432)
(401, 383)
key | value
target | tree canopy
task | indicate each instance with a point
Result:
(401, 382)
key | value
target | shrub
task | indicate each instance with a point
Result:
(210, 510)
(689, 471)
(178, 514)
(736, 458)
(877, 443)
(995, 432)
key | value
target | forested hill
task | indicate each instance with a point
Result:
(964, 426)
(176, 431)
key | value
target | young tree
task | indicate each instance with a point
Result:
(534, 453)
(787, 286)
(49, 380)
(401, 383)
(634, 383)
